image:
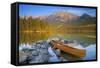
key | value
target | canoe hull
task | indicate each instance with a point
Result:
(68, 49)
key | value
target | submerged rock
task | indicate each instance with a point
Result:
(22, 56)
(40, 52)
(35, 53)
(53, 57)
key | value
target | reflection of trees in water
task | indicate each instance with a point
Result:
(32, 30)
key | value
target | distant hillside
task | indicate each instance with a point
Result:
(59, 17)
(86, 19)
(67, 18)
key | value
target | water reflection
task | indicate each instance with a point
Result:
(31, 37)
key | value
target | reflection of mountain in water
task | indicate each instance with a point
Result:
(70, 26)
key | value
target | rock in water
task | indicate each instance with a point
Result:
(35, 53)
(39, 52)
(22, 56)
(57, 52)
(53, 57)
(40, 58)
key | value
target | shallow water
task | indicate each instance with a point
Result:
(90, 52)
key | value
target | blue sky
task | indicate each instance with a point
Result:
(39, 10)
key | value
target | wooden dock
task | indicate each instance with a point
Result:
(68, 49)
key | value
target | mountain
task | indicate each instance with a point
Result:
(85, 16)
(86, 19)
(59, 17)
(66, 17)
(70, 18)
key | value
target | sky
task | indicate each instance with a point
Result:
(40, 10)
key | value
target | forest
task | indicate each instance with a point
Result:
(33, 29)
